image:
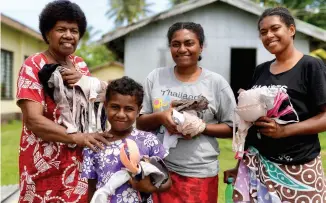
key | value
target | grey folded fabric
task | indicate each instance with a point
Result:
(77, 112)
(194, 106)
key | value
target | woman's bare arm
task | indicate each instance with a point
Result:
(49, 131)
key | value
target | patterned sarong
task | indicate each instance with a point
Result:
(262, 181)
(189, 190)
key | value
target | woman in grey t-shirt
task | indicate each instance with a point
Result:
(193, 162)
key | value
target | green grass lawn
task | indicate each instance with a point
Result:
(10, 137)
(227, 161)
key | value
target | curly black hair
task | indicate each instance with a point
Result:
(125, 86)
(194, 27)
(61, 10)
(282, 12)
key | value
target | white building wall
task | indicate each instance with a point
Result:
(225, 27)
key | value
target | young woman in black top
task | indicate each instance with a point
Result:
(283, 162)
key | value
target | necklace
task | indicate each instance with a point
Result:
(64, 63)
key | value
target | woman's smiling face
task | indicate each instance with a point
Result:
(275, 35)
(185, 48)
(63, 38)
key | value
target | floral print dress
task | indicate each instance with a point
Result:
(102, 165)
(49, 171)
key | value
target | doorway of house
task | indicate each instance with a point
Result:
(243, 64)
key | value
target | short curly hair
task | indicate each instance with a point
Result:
(125, 86)
(282, 12)
(61, 10)
(194, 27)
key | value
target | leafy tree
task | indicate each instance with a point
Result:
(127, 10)
(319, 53)
(93, 54)
(311, 11)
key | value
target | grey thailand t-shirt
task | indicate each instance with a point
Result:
(196, 157)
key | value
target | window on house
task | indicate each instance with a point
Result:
(6, 74)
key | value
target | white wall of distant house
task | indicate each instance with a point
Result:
(225, 27)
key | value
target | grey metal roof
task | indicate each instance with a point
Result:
(245, 5)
